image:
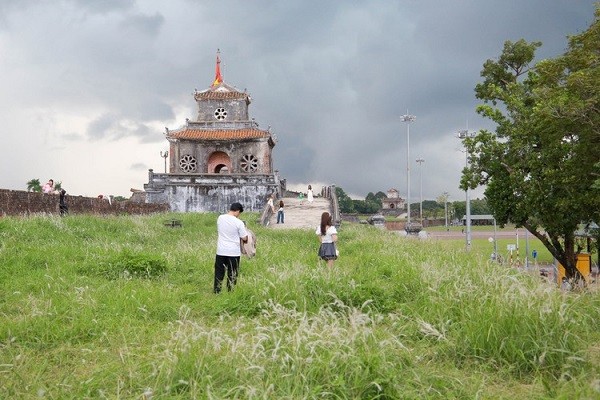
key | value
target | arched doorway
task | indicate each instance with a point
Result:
(219, 163)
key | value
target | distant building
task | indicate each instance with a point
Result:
(393, 202)
(482, 219)
(220, 158)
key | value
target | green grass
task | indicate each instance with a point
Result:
(122, 307)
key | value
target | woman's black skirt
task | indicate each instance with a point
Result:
(327, 251)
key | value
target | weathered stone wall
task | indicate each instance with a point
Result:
(237, 109)
(19, 202)
(209, 192)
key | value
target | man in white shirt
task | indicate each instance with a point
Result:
(231, 230)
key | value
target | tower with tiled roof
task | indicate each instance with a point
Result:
(393, 204)
(221, 157)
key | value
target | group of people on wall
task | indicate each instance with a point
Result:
(280, 207)
(49, 188)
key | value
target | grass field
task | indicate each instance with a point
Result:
(122, 308)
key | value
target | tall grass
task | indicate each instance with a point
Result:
(122, 307)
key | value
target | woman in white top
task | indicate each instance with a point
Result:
(270, 203)
(328, 238)
(309, 194)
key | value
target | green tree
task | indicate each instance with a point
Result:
(373, 202)
(380, 195)
(344, 201)
(430, 208)
(370, 196)
(479, 207)
(34, 185)
(539, 164)
(457, 210)
(365, 207)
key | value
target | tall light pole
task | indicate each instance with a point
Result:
(444, 198)
(462, 135)
(408, 119)
(446, 213)
(165, 155)
(420, 161)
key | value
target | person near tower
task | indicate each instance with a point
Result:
(231, 230)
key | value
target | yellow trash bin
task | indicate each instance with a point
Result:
(583, 265)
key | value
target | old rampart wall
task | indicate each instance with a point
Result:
(20, 202)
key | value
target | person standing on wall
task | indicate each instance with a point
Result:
(309, 194)
(62, 204)
(227, 261)
(280, 214)
(48, 187)
(328, 238)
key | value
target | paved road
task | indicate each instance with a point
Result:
(300, 215)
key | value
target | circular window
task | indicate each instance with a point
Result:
(188, 163)
(249, 163)
(220, 114)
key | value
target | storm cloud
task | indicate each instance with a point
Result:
(88, 87)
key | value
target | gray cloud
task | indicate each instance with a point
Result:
(104, 6)
(330, 78)
(139, 167)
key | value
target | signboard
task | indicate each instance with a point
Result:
(511, 247)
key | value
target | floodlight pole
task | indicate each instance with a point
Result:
(462, 135)
(420, 161)
(446, 212)
(408, 119)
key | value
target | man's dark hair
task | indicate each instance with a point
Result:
(236, 207)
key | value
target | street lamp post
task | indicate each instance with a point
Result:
(420, 161)
(465, 134)
(165, 155)
(446, 213)
(445, 198)
(408, 119)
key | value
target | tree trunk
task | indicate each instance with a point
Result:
(563, 252)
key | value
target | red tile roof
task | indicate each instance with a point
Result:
(218, 134)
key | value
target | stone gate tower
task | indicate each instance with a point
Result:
(219, 158)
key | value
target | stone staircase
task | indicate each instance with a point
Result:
(300, 215)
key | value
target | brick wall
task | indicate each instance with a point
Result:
(18, 202)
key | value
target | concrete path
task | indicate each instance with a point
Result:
(300, 216)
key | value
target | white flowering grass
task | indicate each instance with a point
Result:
(395, 318)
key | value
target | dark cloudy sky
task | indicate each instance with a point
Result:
(88, 86)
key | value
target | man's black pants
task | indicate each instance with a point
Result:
(229, 265)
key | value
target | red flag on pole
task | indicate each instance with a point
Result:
(218, 77)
